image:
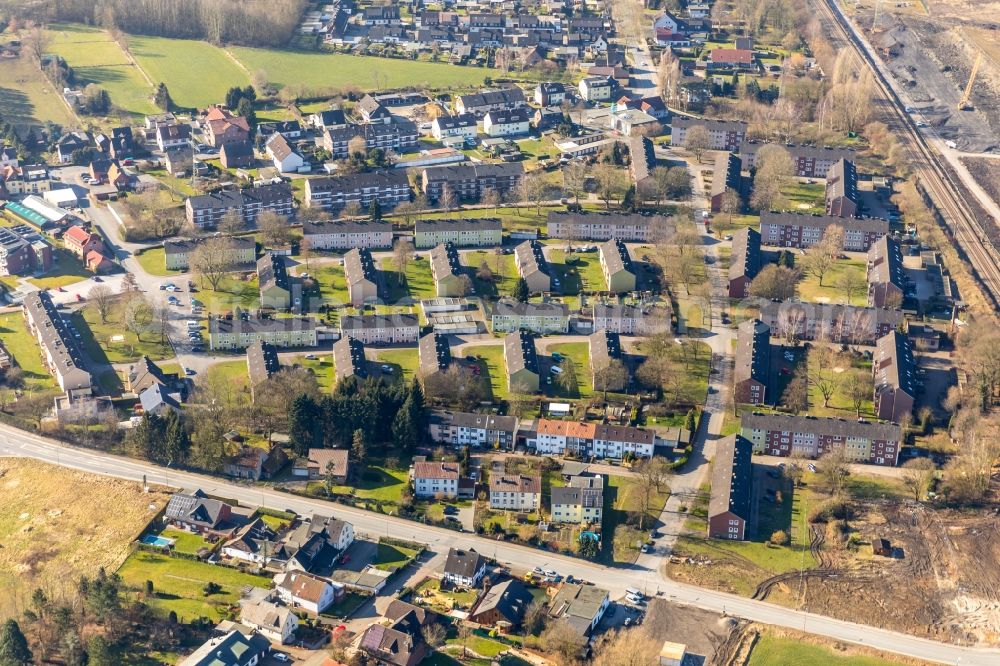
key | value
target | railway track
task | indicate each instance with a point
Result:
(974, 238)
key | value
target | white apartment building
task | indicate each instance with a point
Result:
(433, 479)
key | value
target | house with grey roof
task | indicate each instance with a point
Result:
(509, 315)
(262, 362)
(533, 266)
(753, 362)
(349, 358)
(463, 568)
(233, 649)
(616, 264)
(197, 512)
(446, 269)
(580, 606)
(502, 605)
(744, 262)
(434, 355)
(273, 281)
(812, 437)
(842, 199)
(521, 361)
(460, 429)
(895, 374)
(887, 279)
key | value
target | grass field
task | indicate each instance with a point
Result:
(328, 70)
(403, 361)
(375, 483)
(582, 273)
(389, 557)
(27, 98)
(19, 343)
(803, 198)
(775, 650)
(832, 290)
(179, 584)
(494, 367)
(233, 293)
(322, 369)
(332, 283)
(840, 405)
(230, 371)
(97, 59)
(97, 337)
(185, 542)
(196, 73)
(579, 353)
(153, 261)
(621, 497)
(503, 279)
(418, 282)
(66, 269)
(55, 526)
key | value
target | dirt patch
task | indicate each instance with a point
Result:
(986, 171)
(706, 634)
(58, 524)
(942, 583)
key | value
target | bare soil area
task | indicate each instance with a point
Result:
(58, 524)
(986, 172)
(943, 581)
(706, 634)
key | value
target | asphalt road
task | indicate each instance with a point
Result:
(19, 443)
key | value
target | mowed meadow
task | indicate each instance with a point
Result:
(198, 73)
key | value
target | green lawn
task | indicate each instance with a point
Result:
(418, 283)
(322, 369)
(803, 198)
(19, 344)
(153, 261)
(691, 364)
(484, 647)
(338, 71)
(504, 270)
(375, 483)
(99, 337)
(66, 269)
(579, 353)
(232, 293)
(621, 497)
(27, 97)
(581, 273)
(179, 584)
(772, 650)
(185, 542)
(389, 557)
(840, 406)
(332, 283)
(232, 371)
(493, 366)
(96, 58)
(196, 73)
(403, 361)
(832, 290)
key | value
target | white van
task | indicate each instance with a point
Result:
(633, 599)
(632, 592)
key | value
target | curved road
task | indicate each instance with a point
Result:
(19, 443)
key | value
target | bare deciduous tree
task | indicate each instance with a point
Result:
(212, 260)
(103, 299)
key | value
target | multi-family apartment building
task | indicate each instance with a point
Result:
(448, 127)
(895, 375)
(744, 262)
(349, 358)
(540, 318)
(596, 88)
(580, 501)
(811, 437)
(490, 100)
(435, 479)
(616, 264)
(347, 234)
(630, 227)
(807, 161)
(462, 232)
(23, 251)
(597, 440)
(723, 134)
(240, 251)
(842, 198)
(732, 482)
(381, 329)
(447, 271)
(389, 188)
(468, 182)
(533, 267)
(433, 355)
(60, 351)
(262, 363)
(274, 283)
(400, 136)
(632, 319)
(886, 275)
(802, 231)
(207, 210)
(362, 278)
(515, 492)
(460, 429)
(521, 361)
(25, 179)
(753, 362)
(728, 175)
(843, 324)
(237, 333)
(606, 349)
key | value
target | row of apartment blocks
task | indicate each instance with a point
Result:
(207, 210)
(549, 437)
(812, 437)
(60, 351)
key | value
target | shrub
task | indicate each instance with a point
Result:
(832, 510)
(780, 538)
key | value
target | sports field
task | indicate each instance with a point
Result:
(330, 70)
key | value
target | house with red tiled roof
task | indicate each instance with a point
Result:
(79, 241)
(222, 127)
(741, 59)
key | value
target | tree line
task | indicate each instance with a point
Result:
(253, 22)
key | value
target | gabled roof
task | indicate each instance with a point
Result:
(732, 475)
(463, 563)
(196, 508)
(435, 470)
(510, 599)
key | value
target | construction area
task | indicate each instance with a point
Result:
(932, 48)
(56, 521)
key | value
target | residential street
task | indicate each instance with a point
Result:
(19, 443)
